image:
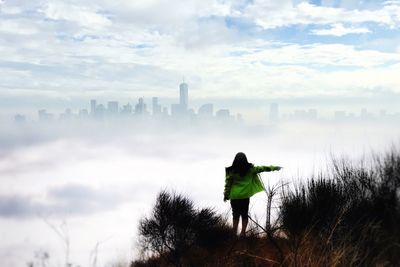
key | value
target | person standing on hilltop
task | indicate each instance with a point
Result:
(241, 183)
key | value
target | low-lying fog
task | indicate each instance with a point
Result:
(92, 182)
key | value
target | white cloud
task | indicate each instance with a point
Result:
(338, 29)
(392, 2)
(256, 69)
(14, 27)
(82, 15)
(269, 15)
(161, 15)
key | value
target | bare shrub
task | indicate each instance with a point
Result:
(176, 227)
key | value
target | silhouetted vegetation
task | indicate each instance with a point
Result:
(176, 228)
(347, 217)
(351, 215)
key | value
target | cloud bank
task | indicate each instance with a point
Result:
(65, 200)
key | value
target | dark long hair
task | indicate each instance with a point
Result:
(240, 164)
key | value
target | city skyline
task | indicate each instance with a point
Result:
(205, 112)
(329, 52)
(183, 111)
(180, 110)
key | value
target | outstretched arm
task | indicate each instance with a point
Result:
(271, 168)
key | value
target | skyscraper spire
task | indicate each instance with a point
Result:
(183, 95)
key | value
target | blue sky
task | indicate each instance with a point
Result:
(260, 49)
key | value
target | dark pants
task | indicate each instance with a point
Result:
(240, 207)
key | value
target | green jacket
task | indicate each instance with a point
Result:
(237, 187)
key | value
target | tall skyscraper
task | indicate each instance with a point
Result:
(93, 106)
(183, 93)
(273, 112)
(140, 107)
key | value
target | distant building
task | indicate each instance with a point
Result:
(155, 106)
(140, 107)
(44, 115)
(301, 114)
(223, 114)
(239, 118)
(100, 111)
(274, 112)
(183, 95)
(191, 113)
(206, 111)
(365, 115)
(112, 107)
(126, 109)
(93, 106)
(312, 114)
(181, 109)
(67, 115)
(83, 113)
(18, 118)
(165, 111)
(177, 110)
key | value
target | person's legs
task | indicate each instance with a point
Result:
(245, 215)
(235, 224)
(235, 214)
(240, 208)
(245, 220)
